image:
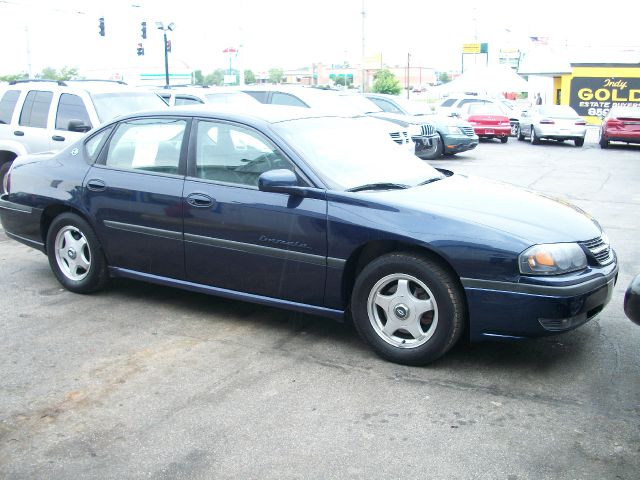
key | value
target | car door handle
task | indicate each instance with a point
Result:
(200, 200)
(57, 138)
(96, 185)
(18, 133)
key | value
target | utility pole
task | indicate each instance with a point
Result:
(408, 73)
(364, 72)
(29, 70)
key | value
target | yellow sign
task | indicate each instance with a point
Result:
(471, 47)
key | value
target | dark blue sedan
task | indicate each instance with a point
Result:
(290, 208)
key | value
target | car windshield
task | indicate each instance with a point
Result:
(414, 107)
(350, 152)
(558, 111)
(111, 105)
(236, 98)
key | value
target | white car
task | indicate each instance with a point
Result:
(553, 122)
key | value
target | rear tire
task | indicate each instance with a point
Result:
(520, 134)
(75, 254)
(535, 140)
(578, 141)
(4, 170)
(504, 139)
(408, 308)
(604, 143)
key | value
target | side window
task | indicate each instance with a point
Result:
(36, 109)
(182, 100)
(386, 105)
(150, 144)
(469, 100)
(260, 96)
(448, 102)
(286, 99)
(8, 105)
(95, 143)
(71, 107)
(234, 154)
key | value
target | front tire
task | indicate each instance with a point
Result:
(435, 152)
(408, 308)
(75, 255)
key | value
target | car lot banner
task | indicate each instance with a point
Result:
(595, 96)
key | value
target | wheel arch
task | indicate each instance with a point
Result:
(51, 212)
(368, 252)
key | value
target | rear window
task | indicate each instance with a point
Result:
(448, 102)
(8, 105)
(111, 105)
(36, 109)
(558, 111)
(484, 109)
(625, 112)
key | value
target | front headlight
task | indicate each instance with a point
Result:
(415, 130)
(454, 130)
(552, 259)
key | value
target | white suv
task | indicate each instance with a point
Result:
(47, 115)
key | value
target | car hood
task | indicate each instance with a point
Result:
(399, 118)
(521, 214)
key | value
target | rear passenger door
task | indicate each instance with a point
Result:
(134, 191)
(33, 130)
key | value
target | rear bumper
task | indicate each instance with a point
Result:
(492, 130)
(545, 131)
(516, 311)
(22, 223)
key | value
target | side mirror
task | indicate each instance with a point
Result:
(454, 115)
(280, 181)
(78, 126)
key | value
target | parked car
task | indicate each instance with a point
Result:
(622, 124)
(44, 115)
(553, 122)
(455, 135)
(423, 134)
(199, 94)
(487, 120)
(280, 206)
(451, 106)
(632, 301)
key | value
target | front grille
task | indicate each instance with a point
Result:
(428, 130)
(400, 137)
(600, 249)
(468, 131)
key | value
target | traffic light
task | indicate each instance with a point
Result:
(143, 26)
(140, 50)
(101, 26)
(168, 46)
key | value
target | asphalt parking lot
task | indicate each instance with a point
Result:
(141, 381)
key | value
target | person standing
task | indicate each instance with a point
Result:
(538, 99)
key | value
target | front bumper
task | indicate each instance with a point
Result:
(458, 143)
(517, 310)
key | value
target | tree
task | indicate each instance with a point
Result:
(67, 73)
(249, 77)
(198, 77)
(343, 80)
(386, 82)
(444, 77)
(14, 77)
(215, 78)
(276, 75)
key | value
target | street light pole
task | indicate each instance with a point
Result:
(166, 61)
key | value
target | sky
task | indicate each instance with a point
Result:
(291, 34)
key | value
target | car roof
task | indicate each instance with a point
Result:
(258, 112)
(89, 86)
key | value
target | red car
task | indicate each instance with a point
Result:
(487, 120)
(622, 124)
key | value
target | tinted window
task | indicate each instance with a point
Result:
(234, 154)
(286, 99)
(36, 109)
(95, 143)
(180, 100)
(8, 105)
(150, 145)
(71, 107)
(260, 96)
(448, 102)
(469, 100)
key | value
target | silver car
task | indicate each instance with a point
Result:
(554, 122)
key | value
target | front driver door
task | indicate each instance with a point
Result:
(240, 238)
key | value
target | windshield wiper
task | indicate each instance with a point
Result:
(379, 186)
(430, 180)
